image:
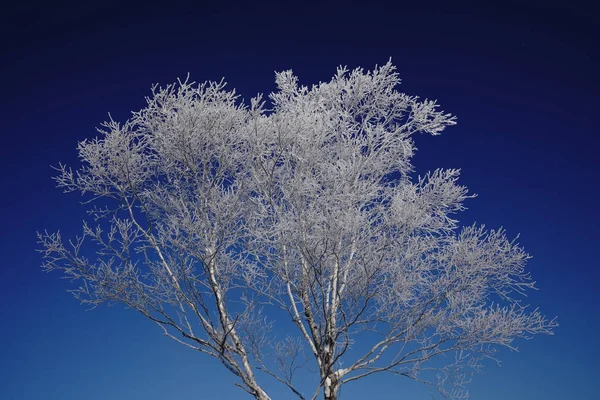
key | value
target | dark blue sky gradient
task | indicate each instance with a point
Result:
(521, 77)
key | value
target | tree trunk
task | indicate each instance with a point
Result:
(331, 387)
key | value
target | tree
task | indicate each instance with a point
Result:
(207, 216)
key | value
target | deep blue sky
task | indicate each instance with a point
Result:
(521, 77)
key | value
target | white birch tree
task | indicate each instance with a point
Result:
(206, 215)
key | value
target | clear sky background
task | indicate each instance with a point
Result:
(520, 76)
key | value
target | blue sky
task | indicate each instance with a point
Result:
(521, 78)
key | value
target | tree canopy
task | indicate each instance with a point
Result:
(215, 218)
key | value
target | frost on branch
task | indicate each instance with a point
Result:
(214, 219)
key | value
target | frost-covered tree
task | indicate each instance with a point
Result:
(214, 219)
